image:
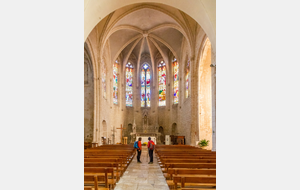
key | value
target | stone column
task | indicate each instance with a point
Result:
(96, 112)
(213, 98)
(194, 135)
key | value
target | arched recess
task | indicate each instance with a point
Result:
(205, 96)
(162, 134)
(88, 97)
(104, 129)
(174, 129)
(202, 11)
(129, 130)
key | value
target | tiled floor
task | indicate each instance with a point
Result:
(143, 176)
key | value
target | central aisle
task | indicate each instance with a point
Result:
(143, 176)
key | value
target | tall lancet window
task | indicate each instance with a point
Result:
(129, 76)
(115, 82)
(176, 81)
(104, 79)
(187, 79)
(145, 86)
(162, 83)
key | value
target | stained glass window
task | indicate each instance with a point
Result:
(129, 75)
(187, 79)
(104, 80)
(145, 86)
(176, 81)
(162, 84)
(115, 83)
(148, 88)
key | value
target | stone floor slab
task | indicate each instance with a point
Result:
(143, 176)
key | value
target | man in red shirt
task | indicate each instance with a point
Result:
(139, 150)
(150, 149)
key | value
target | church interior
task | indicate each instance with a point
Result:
(150, 71)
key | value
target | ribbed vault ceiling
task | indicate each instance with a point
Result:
(147, 29)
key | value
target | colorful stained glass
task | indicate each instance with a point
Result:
(162, 84)
(145, 66)
(143, 84)
(115, 83)
(176, 81)
(148, 88)
(187, 79)
(129, 76)
(104, 80)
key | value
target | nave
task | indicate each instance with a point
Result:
(175, 167)
(143, 176)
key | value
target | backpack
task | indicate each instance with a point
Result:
(136, 144)
(152, 145)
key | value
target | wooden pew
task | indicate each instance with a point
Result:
(198, 182)
(117, 171)
(184, 171)
(190, 156)
(122, 162)
(128, 155)
(185, 160)
(95, 187)
(112, 157)
(189, 165)
(93, 183)
(101, 174)
(87, 145)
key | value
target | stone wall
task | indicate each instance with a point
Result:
(88, 97)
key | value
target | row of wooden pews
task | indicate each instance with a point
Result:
(104, 165)
(187, 167)
(87, 145)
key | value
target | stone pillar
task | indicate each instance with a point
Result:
(213, 98)
(96, 112)
(194, 135)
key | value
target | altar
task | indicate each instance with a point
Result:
(145, 131)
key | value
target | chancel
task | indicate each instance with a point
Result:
(150, 68)
(150, 71)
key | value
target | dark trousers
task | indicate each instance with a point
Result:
(151, 155)
(139, 152)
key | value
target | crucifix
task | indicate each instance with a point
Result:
(121, 133)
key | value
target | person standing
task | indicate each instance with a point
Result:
(139, 150)
(151, 146)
